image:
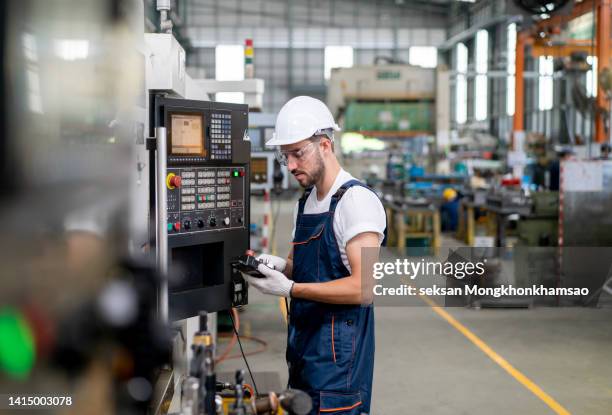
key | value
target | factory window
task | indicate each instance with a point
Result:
(425, 56)
(337, 57)
(229, 66)
(481, 93)
(591, 77)
(545, 98)
(510, 85)
(461, 84)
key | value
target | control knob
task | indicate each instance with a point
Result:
(226, 221)
(173, 181)
(200, 223)
(187, 224)
(212, 222)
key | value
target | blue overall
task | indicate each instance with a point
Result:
(330, 348)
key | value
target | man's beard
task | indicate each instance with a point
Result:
(317, 173)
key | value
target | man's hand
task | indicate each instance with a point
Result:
(273, 261)
(275, 283)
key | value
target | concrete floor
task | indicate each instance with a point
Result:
(423, 365)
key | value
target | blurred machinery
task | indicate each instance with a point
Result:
(203, 394)
(261, 128)
(395, 100)
(531, 10)
(509, 198)
(539, 226)
(78, 316)
(97, 287)
(266, 172)
(542, 27)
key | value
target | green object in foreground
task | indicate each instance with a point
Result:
(17, 347)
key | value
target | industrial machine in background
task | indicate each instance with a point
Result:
(540, 226)
(391, 102)
(261, 128)
(266, 172)
(384, 101)
(531, 11)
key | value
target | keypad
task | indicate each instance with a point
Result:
(221, 136)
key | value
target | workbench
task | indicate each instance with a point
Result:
(498, 219)
(467, 222)
(411, 222)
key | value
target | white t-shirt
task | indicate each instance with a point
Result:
(357, 212)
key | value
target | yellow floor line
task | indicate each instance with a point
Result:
(522, 379)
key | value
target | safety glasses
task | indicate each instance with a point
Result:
(282, 156)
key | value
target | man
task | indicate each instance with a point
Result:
(563, 154)
(330, 345)
(449, 210)
(604, 151)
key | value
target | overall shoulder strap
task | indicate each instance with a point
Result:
(342, 190)
(303, 198)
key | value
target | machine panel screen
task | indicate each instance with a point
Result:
(187, 135)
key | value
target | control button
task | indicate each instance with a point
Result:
(169, 227)
(226, 221)
(177, 226)
(187, 224)
(212, 222)
(200, 223)
(240, 219)
(173, 181)
(241, 173)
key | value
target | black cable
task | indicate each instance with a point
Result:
(287, 307)
(243, 356)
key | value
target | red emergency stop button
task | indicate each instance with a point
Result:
(177, 226)
(173, 181)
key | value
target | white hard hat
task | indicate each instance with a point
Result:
(301, 118)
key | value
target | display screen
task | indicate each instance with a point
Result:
(187, 135)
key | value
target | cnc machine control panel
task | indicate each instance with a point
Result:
(207, 190)
(205, 199)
